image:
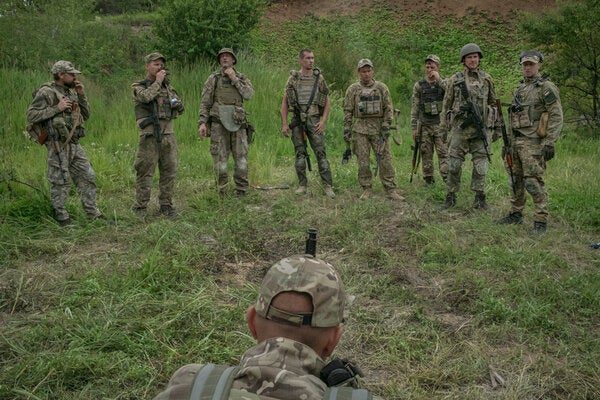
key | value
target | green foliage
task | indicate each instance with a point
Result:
(570, 37)
(125, 6)
(191, 29)
(68, 30)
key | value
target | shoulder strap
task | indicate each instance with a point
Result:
(314, 90)
(346, 393)
(213, 382)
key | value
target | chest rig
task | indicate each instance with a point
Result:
(163, 105)
(225, 92)
(526, 107)
(368, 102)
(431, 101)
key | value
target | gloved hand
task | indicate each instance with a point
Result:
(385, 132)
(548, 152)
(347, 135)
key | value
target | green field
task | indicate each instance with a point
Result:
(110, 311)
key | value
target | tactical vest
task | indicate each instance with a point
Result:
(523, 111)
(368, 102)
(213, 382)
(300, 92)
(431, 102)
(225, 92)
(163, 106)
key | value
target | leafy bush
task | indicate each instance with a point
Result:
(191, 29)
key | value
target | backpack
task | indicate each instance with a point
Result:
(37, 132)
(213, 382)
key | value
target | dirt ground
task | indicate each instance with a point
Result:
(291, 9)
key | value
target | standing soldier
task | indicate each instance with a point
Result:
(55, 117)
(306, 93)
(156, 105)
(223, 118)
(536, 120)
(465, 110)
(428, 94)
(368, 113)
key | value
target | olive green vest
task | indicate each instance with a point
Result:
(225, 92)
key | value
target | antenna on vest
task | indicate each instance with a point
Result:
(311, 242)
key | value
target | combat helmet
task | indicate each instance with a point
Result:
(470, 48)
(227, 50)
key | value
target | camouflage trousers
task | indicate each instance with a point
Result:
(459, 146)
(528, 169)
(362, 145)
(149, 154)
(433, 138)
(71, 163)
(317, 143)
(222, 144)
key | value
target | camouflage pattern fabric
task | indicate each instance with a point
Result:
(432, 137)
(306, 274)
(464, 140)
(75, 164)
(366, 134)
(536, 96)
(317, 143)
(222, 144)
(209, 105)
(149, 154)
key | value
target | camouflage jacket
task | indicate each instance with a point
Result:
(481, 90)
(361, 98)
(533, 98)
(144, 93)
(45, 106)
(277, 368)
(209, 101)
(301, 86)
(416, 110)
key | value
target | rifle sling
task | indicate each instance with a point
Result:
(310, 99)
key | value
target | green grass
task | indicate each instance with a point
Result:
(111, 311)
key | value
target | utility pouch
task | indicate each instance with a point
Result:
(521, 119)
(542, 129)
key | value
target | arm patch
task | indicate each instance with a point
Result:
(549, 96)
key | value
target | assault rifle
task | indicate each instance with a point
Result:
(153, 119)
(506, 149)
(55, 143)
(347, 154)
(295, 123)
(474, 117)
(416, 157)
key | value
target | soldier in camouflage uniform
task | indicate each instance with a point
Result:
(297, 322)
(65, 104)
(156, 101)
(464, 136)
(368, 113)
(307, 95)
(427, 98)
(223, 118)
(536, 119)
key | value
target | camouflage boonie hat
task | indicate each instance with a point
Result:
(64, 66)
(363, 62)
(227, 50)
(304, 274)
(533, 56)
(434, 58)
(154, 56)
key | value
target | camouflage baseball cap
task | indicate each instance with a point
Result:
(533, 56)
(154, 56)
(434, 58)
(304, 274)
(363, 62)
(64, 66)
(227, 50)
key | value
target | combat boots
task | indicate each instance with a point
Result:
(479, 201)
(167, 211)
(539, 227)
(512, 218)
(429, 180)
(394, 195)
(301, 190)
(329, 191)
(366, 194)
(450, 200)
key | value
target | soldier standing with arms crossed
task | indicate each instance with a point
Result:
(223, 118)
(60, 107)
(368, 113)
(156, 105)
(536, 119)
(307, 95)
(427, 98)
(465, 112)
